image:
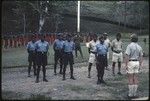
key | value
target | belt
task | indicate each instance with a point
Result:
(93, 52)
(68, 52)
(42, 52)
(117, 52)
(133, 60)
(102, 54)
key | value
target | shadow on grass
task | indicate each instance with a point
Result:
(119, 86)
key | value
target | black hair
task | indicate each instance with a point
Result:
(118, 34)
(101, 37)
(134, 38)
(94, 35)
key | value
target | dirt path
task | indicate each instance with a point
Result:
(16, 80)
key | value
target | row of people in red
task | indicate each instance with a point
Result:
(21, 40)
(14, 41)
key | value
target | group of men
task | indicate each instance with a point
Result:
(98, 52)
(63, 52)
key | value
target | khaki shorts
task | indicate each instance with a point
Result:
(92, 58)
(107, 55)
(133, 67)
(117, 57)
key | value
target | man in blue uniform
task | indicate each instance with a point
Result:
(68, 48)
(42, 47)
(31, 55)
(58, 45)
(101, 59)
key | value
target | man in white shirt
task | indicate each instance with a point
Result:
(107, 43)
(117, 56)
(92, 51)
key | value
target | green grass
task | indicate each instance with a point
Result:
(18, 56)
(9, 95)
(120, 84)
(39, 97)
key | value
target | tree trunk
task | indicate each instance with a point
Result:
(24, 24)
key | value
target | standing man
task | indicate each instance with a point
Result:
(77, 40)
(101, 59)
(32, 55)
(133, 62)
(68, 48)
(107, 43)
(58, 55)
(117, 55)
(42, 47)
(92, 51)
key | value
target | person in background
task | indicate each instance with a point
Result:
(6, 41)
(133, 64)
(92, 52)
(31, 55)
(77, 41)
(58, 55)
(144, 40)
(117, 56)
(68, 48)
(107, 43)
(42, 47)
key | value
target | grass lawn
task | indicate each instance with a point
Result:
(17, 57)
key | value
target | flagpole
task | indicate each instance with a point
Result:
(78, 17)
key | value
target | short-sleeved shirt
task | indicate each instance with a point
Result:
(31, 46)
(117, 45)
(101, 49)
(92, 45)
(58, 44)
(107, 42)
(134, 51)
(68, 46)
(42, 46)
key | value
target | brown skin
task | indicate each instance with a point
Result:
(119, 63)
(90, 64)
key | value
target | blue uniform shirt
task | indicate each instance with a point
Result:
(101, 49)
(58, 44)
(42, 46)
(31, 46)
(68, 46)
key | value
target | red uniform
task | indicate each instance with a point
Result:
(6, 43)
(21, 39)
(11, 42)
(15, 42)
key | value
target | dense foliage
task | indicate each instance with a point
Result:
(47, 16)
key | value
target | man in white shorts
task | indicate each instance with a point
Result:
(92, 51)
(117, 55)
(107, 43)
(133, 61)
